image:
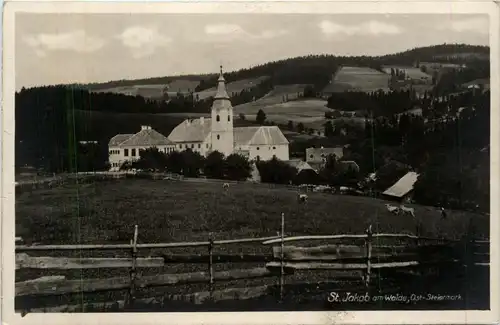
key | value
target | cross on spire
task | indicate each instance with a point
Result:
(221, 88)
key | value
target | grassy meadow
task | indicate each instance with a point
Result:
(179, 211)
(358, 79)
(167, 211)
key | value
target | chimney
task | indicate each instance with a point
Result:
(202, 120)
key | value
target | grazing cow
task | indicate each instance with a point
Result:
(302, 197)
(225, 186)
(392, 208)
(408, 210)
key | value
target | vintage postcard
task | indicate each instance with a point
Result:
(309, 162)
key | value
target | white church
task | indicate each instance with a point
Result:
(204, 135)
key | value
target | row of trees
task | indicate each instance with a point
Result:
(191, 164)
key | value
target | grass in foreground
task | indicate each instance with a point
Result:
(180, 211)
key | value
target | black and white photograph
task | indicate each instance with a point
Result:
(250, 160)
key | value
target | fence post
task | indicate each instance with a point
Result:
(133, 243)
(282, 273)
(210, 264)
(368, 245)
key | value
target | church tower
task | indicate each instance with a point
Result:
(222, 136)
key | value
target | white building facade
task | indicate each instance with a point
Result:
(126, 147)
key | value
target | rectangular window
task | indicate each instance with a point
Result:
(207, 145)
(133, 152)
(192, 145)
(199, 145)
(125, 152)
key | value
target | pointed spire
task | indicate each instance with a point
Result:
(221, 87)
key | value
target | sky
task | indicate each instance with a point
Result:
(84, 48)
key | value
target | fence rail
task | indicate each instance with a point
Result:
(352, 262)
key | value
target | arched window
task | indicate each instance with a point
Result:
(257, 148)
(217, 118)
(218, 137)
(229, 118)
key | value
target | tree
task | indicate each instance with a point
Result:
(261, 117)
(175, 162)
(237, 167)
(309, 92)
(151, 158)
(214, 165)
(328, 129)
(276, 171)
(242, 117)
(329, 169)
(192, 163)
(290, 125)
(300, 127)
(389, 174)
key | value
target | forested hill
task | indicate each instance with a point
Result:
(317, 69)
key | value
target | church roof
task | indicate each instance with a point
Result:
(259, 135)
(147, 137)
(196, 130)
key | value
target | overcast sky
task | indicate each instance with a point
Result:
(66, 48)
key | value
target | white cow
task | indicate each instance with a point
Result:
(302, 197)
(225, 186)
(392, 208)
(408, 210)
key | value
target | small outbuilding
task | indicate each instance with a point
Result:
(402, 190)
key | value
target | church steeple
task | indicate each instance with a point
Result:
(221, 87)
(222, 136)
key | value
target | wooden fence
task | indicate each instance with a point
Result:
(352, 262)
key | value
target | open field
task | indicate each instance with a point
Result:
(154, 91)
(147, 91)
(181, 211)
(412, 72)
(233, 87)
(358, 79)
(274, 97)
(182, 85)
(106, 212)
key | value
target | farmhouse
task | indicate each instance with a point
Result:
(125, 147)
(305, 172)
(402, 190)
(218, 134)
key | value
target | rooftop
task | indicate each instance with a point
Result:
(403, 186)
(145, 137)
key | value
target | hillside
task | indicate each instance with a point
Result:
(286, 71)
(51, 119)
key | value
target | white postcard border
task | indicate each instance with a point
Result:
(337, 7)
